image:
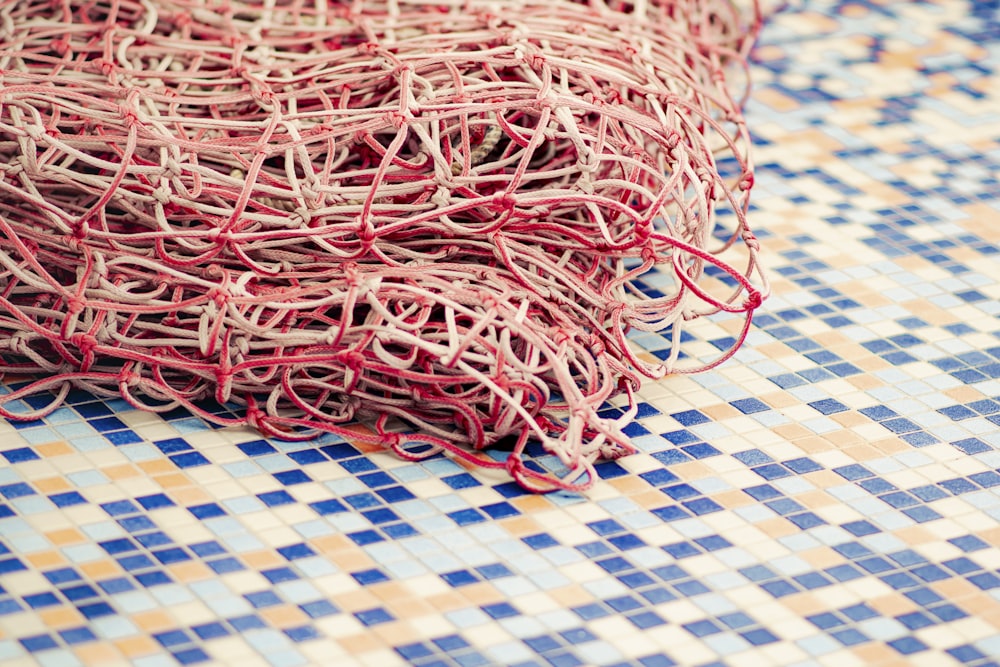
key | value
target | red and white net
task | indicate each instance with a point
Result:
(428, 218)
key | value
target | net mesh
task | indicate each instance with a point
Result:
(419, 225)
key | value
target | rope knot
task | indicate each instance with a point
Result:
(559, 335)
(105, 66)
(352, 359)
(489, 301)
(398, 119)
(753, 301)
(129, 115)
(502, 201)
(128, 378)
(75, 305)
(61, 46)
(219, 296)
(85, 343)
(232, 40)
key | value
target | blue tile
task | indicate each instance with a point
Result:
(276, 498)
(645, 620)
(67, 499)
(191, 656)
(18, 490)
(37, 643)
(247, 623)
(20, 455)
(292, 477)
(41, 600)
(374, 616)
(213, 630)
(79, 635)
(318, 609)
(750, 405)
(155, 501)
(172, 638)
(908, 645)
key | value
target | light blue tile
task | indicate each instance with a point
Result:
(9, 650)
(86, 478)
(140, 452)
(243, 505)
(157, 660)
(113, 627)
(171, 595)
(29, 505)
(289, 658)
(817, 645)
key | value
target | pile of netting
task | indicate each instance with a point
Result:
(419, 225)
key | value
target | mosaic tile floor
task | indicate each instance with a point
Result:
(831, 496)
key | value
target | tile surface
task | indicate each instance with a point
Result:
(830, 496)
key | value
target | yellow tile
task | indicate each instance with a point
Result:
(190, 571)
(411, 607)
(330, 543)
(571, 596)
(628, 484)
(361, 643)
(96, 653)
(850, 419)
(816, 499)
(61, 538)
(775, 100)
(388, 591)
(445, 602)
(357, 600)
(262, 560)
(45, 559)
(519, 526)
(482, 593)
(648, 499)
(530, 503)
(822, 557)
(352, 560)
(134, 647)
(863, 381)
(892, 604)
(173, 481)
(50, 449)
(101, 569)
(777, 527)
(728, 499)
(123, 471)
(892, 446)
(193, 495)
(876, 654)
(50, 485)
(156, 466)
(990, 535)
(720, 412)
(915, 535)
(397, 633)
(154, 621)
(803, 604)
(60, 617)
(284, 616)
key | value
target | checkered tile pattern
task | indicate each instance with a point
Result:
(831, 496)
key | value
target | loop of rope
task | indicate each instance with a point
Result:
(387, 210)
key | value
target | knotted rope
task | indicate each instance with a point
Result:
(429, 217)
